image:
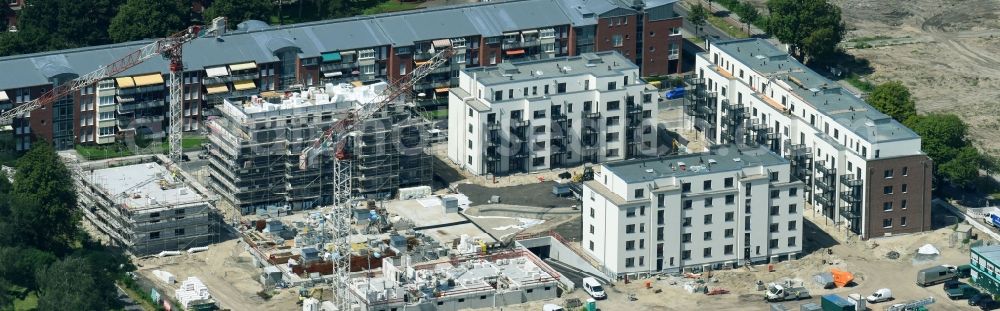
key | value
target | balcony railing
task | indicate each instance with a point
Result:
(230, 78)
(591, 115)
(518, 44)
(519, 123)
(327, 67)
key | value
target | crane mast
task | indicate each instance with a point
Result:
(335, 139)
(169, 47)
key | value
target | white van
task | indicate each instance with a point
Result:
(552, 307)
(880, 295)
(594, 288)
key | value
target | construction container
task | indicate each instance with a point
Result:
(450, 204)
(835, 303)
(810, 307)
(591, 304)
(779, 307)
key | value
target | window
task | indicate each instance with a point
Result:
(546, 89)
(639, 193)
(104, 116)
(368, 69)
(629, 245)
(561, 88)
(510, 94)
(538, 161)
(687, 204)
(727, 250)
(729, 233)
(774, 228)
(686, 238)
(708, 202)
(748, 188)
(630, 212)
(591, 245)
(886, 206)
(612, 86)
(793, 192)
(612, 153)
(612, 121)
(686, 222)
(630, 228)
(887, 223)
(888, 173)
(686, 187)
(591, 229)
(791, 242)
(902, 188)
(887, 190)
(775, 194)
(707, 185)
(629, 262)
(792, 225)
(708, 219)
(728, 182)
(774, 176)
(459, 58)
(792, 209)
(107, 100)
(616, 40)
(707, 252)
(154, 235)
(773, 243)
(902, 204)
(179, 231)
(498, 95)
(591, 212)
(902, 221)
(470, 144)
(685, 255)
(774, 211)
(538, 114)
(905, 169)
(539, 146)
(659, 217)
(707, 236)
(730, 216)
(613, 105)
(660, 198)
(402, 69)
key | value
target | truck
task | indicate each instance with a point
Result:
(778, 292)
(936, 274)
(834, 302)
(995, 220)
(958, 290)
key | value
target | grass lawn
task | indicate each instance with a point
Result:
(860, 83)
(436, 114)
(391, 6)
(98, 152)
(730, 29)
(192, 142)
(30, 302)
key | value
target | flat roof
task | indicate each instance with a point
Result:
(145, 185)
(599, 64)
(823, 94)
(719, 159)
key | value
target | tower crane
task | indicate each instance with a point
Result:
(335, 139)
(169, 47)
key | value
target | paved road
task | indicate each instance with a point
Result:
(706, 30)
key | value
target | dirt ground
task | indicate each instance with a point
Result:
(228, 272)
(946, 51)
(866, 260)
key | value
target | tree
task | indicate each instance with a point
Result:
(941, 135)
(811, 27)
(146, 19)
(42, 205)
(962, 170)
(62, 24)
(20, 264)
(5, 11)
(893, 99)
(698, 17)
(239, 10)
(748, 15)
(74, 284)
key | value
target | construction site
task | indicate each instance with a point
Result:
(257, 145)
(146, 205)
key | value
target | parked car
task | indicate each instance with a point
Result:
(976, 299)
(880, 295)
(958, 290)
(676, 93)
(938, 274)
(988, 304)
(552, 307)
(594, 288)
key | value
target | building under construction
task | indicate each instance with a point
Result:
(145, 204)
(256, 145)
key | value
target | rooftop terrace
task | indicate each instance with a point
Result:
(719, 159)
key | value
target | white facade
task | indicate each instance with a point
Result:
(537, 115)
(695, 211)
(801, 110)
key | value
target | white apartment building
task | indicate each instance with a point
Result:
(536, 115)
(722, 208)
(862, 170)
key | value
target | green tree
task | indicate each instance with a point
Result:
(941, 135)
(20, 264)
(62, 24)
(698, 17)
(963, 170)
(239, 10)
(747, 14)
(811, 27)
(145, 19)
(893, 99)
(74, 284)
(5, 11)
(42, 206)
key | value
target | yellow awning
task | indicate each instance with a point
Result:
(244, 85)
(421, 63)
(216, 89)
(149, 79)
(357, 83)
(243, 66)
(125, 82)
(441, 90)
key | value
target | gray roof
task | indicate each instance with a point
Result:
(143, 190)
(720, 158)
(602, 64)
(824, 95)
(255, 41)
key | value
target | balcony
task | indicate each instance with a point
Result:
(515, 123)
(559, 117)
(850, 181)
(230, 78)
(493, 126)
(592, 115)
(850, 196)
(328, 67)
(133, 106)
(516, 44)
(633, 109)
